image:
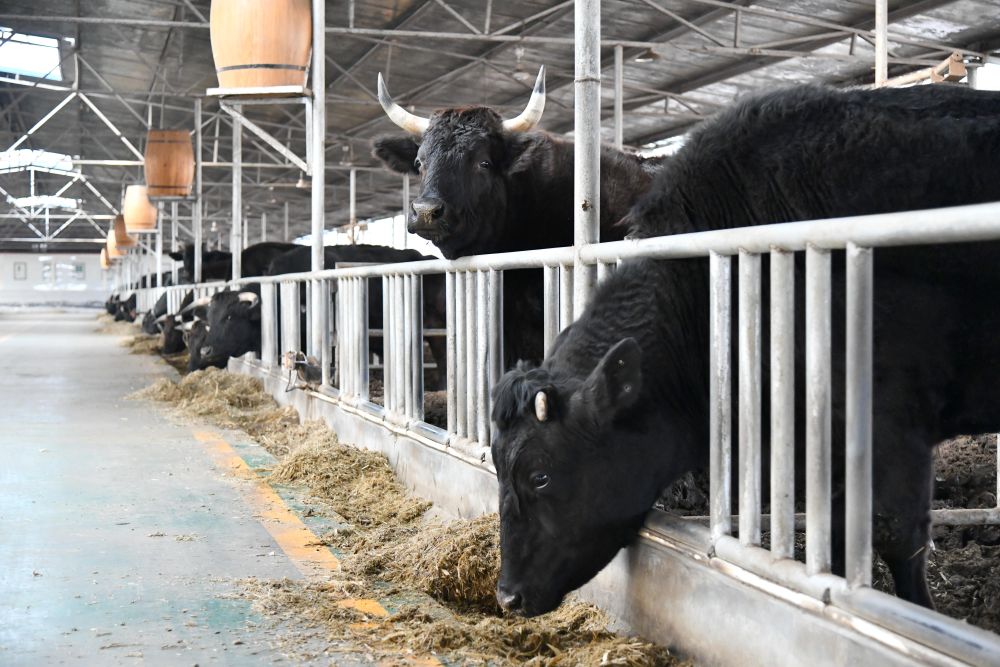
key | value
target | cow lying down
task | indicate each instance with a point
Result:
(618, 410)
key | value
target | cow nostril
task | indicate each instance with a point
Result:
(206, 351)
(508, 601)
(427, 209)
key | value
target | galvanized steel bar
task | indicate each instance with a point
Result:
(158, 260)
(472, 366)
(399, 377)
(451, 351)
(881, 42)
(268, 325)
(858, 426)
(749, 397)
(482, 359)
(236, 235)
(417, 342)
(587, 142)
(495, 327)
(818, 411)
(174, 271)
(317, 161)
(619, 96)
(387, 335)
(720, 394)
(566, 277)
(461, 374)
(289, 316)
(325, 357)
(408, 360)
(782, 369)
(550, 295)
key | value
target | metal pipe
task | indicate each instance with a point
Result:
(782, 369)
(587, 143)
(818, 411)
(749, 397)
(174, 270)
(401, 374)
(495, 305)
(460, 359)
(318, 158)
(565, 295)
(720, 394)
(417, 342)
(472, 367)
(881, 42)
(619, 95)
(408, 360)
(236, 240)
(858, 419)
(352, 205)
(550, 296)
(387, 334)
(482, 359)
(263, 227)
(325, 355)
(451, 350)
(285, 236)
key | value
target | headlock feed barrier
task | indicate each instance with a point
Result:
(474, 342)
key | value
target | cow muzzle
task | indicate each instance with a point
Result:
(426, 217)
(508, 601)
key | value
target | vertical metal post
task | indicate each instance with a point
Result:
(619, 93)
(818, 406)
(406, 208)
(451, 349)
(285, 236)
(268, 325)
(858, 431)
(881, 42)
(587, 136)
(408, 361)
(482, 359)
(782, 403)
(399, 348)
(461, 376)
(720, 394)
(749, 397)
(158, 260)
(352, 200)
(495, 331)
(472, 308)
(236, 235)
(550, 289)
(318, 164)
(263, 227)
(173, 242)
(196, 206)
(566, 278)
(417, 320)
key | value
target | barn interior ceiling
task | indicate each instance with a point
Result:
(127, 65)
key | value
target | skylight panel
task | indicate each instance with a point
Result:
(29, 55)
(23, 159)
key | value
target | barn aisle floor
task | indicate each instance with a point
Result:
(121, 540)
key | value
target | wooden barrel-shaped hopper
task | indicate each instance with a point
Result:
(139, 212)
(105, 262)
(114, 251)
(119, 234)
(258, 43)
(169, 161)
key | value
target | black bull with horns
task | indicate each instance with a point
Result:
(494, 185)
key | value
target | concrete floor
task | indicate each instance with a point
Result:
(121, 539)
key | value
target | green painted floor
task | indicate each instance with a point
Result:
(120, 543)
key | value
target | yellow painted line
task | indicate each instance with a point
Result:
(295, 538)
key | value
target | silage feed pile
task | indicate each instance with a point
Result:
(107, 324)
(143, 343)
(436, 579)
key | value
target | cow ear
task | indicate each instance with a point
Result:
(614, 385)
(523, 150)
(396, 153)
(176, 256)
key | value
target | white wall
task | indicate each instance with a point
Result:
(52, 278)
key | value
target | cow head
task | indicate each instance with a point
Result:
(466, 158)
(233, 327)
(572, 491)
(195, 333)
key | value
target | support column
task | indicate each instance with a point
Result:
(881, 43)
(263, 227)
(159, 245)
(286, 222)
(236, 236)
(587, 135)
(406, 210)
(352, 206)
(173, 241)
(619, 89)
(318, 165)
(196, 209)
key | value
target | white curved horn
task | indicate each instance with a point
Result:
(532, 113)
(541, 406)
(415, 125)
(197, 303)
(249, 297)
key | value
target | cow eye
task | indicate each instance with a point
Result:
(539, 480)
(485, 164)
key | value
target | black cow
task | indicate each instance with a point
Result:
(111, 305)
(172, 341)
(126, 309)
(195, 334)
(490, 185)
(218, 265)
(234, 325)
(619, 408)
(153, 319)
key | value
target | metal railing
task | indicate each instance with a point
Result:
(474, 342)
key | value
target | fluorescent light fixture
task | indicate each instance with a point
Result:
(29, 55)
(24, 159)
(46, 201)
(647, 56)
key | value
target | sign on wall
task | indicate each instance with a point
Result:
(20, 270)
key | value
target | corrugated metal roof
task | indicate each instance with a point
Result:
(132, 73)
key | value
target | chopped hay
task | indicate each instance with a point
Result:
(574, 634)
(143, 343)
(456, 562)
(359, 484)
(107, 324)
